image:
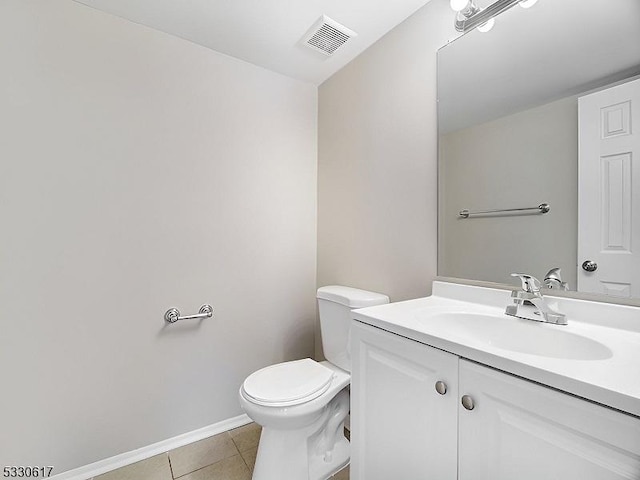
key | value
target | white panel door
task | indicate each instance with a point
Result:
(521, 430)
(609, 191)
(402, 428)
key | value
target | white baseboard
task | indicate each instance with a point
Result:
(98, 468)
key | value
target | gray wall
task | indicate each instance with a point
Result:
(377, 156)
(520, 160)
(141, 172)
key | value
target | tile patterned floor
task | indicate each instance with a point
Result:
(228, 456)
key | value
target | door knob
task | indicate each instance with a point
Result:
(589, 266)
(467, 402)
(441, 387)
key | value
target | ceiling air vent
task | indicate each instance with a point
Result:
(327, 36)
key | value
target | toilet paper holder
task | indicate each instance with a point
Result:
(173, 314)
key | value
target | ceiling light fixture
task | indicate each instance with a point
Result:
(527, 3)
(458, 5)
(470, 16)
(486, 26)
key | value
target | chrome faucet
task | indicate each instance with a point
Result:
(529, 304)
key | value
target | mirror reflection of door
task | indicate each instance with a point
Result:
(609, 191)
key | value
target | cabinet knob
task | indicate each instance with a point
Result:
(467, 402)
(441, 387)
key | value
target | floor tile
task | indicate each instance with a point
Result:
(201, 454)
(246, 437)
(154, 468)
(342, 474)
(232, 468)
(249, 457)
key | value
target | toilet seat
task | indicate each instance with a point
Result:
(287, 384)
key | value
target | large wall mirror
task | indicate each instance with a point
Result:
(516, 131)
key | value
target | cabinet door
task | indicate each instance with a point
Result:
(402, 428)
(525, 431)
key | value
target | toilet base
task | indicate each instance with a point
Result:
(314, 452)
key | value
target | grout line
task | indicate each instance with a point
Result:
(197, 470)
(246, 449)
(222, 459)
(245, 462)
(211, 464)
(170, 466)
(234, 443)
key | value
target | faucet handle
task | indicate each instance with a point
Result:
(553, 280)
(554, 274)
(530, 284)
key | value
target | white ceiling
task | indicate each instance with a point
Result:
(267, 32)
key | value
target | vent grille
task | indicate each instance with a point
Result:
(327, 36)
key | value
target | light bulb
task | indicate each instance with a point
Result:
(459, 5)
(527, 3)
(486, 26)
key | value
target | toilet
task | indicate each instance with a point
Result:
(301, 405)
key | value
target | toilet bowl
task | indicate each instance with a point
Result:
(301, 405)
(301, 438)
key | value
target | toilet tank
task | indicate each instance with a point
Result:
(335, 304)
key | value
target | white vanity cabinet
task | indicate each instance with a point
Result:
(401, 427)
(522, 430)
(516, 429)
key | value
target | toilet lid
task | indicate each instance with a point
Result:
(288, 383)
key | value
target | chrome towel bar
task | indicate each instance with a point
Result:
(173, 314)
(542, 208)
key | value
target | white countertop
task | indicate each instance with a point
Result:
(612, 379)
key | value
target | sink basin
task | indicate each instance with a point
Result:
(515, 334)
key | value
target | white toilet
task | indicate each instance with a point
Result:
(302, 404)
